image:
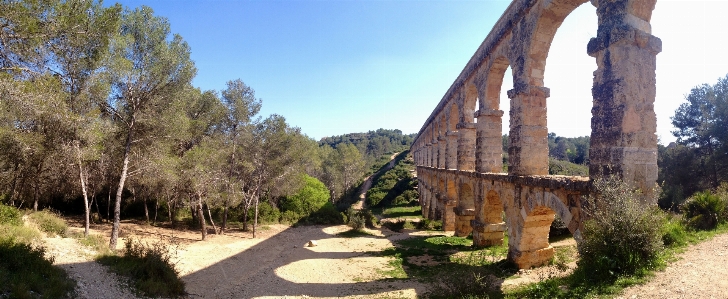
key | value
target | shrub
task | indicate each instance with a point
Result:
(49, 222)
(267, 213)
(150, 268)
(674, 233)
(327, 214)
(312, 197)
(25, 273)
(375, 196)
(623, 235)
(19, 233)
(357, 222)
(703, 210)
(290, 217)
(429, 224)
(10, 215)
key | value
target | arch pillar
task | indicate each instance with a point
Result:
(448, 202)
(465, 209)
(466, 146)
(488, 225)
(528, 151)
(529, 222)
(441, 151)
(623, 139)
(451, 151)
(488, 143)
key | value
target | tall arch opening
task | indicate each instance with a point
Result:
(568, 73)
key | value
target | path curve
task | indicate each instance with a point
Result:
(93, 279)
(368, 184)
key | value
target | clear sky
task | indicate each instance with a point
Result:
(335, 67)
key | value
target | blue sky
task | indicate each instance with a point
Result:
(335, 67)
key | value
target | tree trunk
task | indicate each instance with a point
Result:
(108, 205)
(209, 214)
(224, 219)
(86, 205)
(169, 212)
(96, 203)
(255, 222)
(245, 217)
(201, 216)
(146, 209)
(120, 189)
(156, 209)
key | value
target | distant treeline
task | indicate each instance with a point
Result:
(373, 144)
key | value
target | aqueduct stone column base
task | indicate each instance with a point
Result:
(458, 150)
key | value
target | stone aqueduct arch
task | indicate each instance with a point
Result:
(459, 160)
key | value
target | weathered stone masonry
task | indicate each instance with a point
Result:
(459, 159)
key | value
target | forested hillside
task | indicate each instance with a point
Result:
(373, 144)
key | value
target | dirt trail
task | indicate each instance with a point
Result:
(700, 272)
(368, 184)
(279, 265)
(94, 280)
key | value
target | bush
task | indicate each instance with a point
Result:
(704, 210)
(10, 215)
(290, 217)
(312, 197)
(429, 224)
(25, 273)
(623, 235)
(674, 233)
(149, 267)
(267, 213)
(49, 222)
(327, 214)
(19, 233)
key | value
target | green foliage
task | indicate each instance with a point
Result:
(396, 186)
(359, 219)
(10, 215)
(697, 161)
(290, 217)
(373, 144)
(19, 233)
(623, 235)
(674, 233)
(574, 150)
(267, 213)
(704, 210)
(97, 242)
(327, 214)
(149, 267)
(459, 270)
(559, 167)
(312, 197)
(49, 222)
(26, 273)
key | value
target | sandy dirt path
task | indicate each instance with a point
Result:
(282, 266)
(93, 280)
(700, 272)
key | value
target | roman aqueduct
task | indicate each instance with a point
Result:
(458, 151)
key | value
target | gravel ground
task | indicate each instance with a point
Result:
(277, 264)
(700, 272)
(93, 280)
